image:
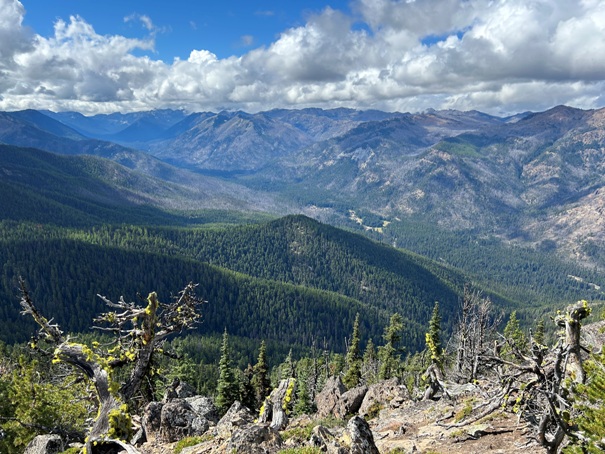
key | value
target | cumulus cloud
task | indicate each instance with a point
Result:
(499, 56)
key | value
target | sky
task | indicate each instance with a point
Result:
(496, 56)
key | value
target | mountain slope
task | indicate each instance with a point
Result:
(308, 284)
(65, 276)
(83, 190)
(231, 142)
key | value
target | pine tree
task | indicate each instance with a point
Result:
(514, 334)
(227, 388)
(246, 388)
(590, 408)
(539, 334)
(261, 380)
(304, 403)
(388, 354)
(433, 338)
(352, 374)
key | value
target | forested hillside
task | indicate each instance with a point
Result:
(296, 280)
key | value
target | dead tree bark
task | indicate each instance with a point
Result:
(139, 332)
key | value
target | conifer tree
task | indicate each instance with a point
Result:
(388, 354)
(227, 389)
(514, 334)
(246, 387)
(433, 338)
(352, 374)
(539, 334)
(304, 403)
(260, 380)
(591, 408)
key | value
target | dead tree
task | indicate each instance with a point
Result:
(538, 384)
(139, 333)
(473, 334)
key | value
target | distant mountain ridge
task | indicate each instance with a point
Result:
(528, 179)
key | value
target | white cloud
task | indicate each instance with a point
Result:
(498, 56)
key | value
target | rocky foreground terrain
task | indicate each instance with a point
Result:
(380, 419)
(395, 423)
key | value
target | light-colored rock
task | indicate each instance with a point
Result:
(254, 439)
(236, 417)
(358, 437)
(45, 444)
(204, 407)
(387, 393)
(329, 396)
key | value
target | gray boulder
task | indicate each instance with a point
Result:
(384, 394)
(236, 417)
(204, 407)
(325, 440)
(329, 396)
(350, 402)
(152, 419)
(359, 438)
(179, 420)
(255, 439)
(45, 444)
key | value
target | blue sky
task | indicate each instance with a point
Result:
(226, 27)
(496, 56)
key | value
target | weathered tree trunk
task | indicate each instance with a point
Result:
(572, 322)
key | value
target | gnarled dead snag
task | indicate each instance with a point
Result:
(139, 332)
(572, 321)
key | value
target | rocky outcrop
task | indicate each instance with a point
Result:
(45, 444)
(387, 393)
(325, 440)
(356, 438)
(350, 402)
(329, 396)
(255, 439)
(179, 420)
(205, 408)
(236, 417)
(152, 419)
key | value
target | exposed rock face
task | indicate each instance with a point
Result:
(350, 402)
(152, 419)
(325, 440)
(179, 420)
(176, 419)
(204, 407)
(236, 417)
(45, 444)
(255, 439)
(387, 393)
(359, 437)
(329, 396)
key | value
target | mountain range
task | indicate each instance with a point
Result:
(511, 205)
(535, 179)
